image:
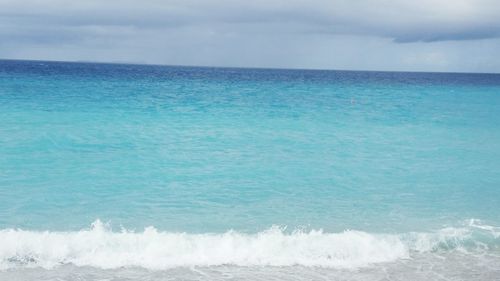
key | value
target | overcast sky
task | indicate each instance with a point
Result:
(424, 35)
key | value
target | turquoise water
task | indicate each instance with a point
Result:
(401, 159)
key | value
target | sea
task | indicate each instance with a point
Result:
(150, 172)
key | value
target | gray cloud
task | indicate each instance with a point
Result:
(403, 21)
(293, 33)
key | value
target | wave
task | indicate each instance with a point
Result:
(100, 247)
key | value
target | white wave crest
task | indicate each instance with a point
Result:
(152, 249)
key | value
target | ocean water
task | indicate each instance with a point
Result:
(134, 172)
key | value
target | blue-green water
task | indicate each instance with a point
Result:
(202, 151)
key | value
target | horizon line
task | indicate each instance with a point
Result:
(242, 67)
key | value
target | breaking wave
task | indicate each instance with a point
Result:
(100, 247)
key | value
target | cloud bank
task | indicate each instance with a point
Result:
(384, 34)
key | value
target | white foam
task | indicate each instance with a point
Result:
(152, 249)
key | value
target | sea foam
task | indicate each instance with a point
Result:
(152, 249)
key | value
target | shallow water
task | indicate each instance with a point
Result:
(424, 267)
(242, 173)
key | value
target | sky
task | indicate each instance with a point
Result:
(397, 35)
